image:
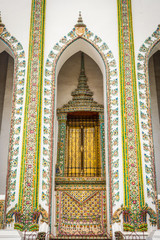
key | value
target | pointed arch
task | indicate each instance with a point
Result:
(145, 117)
(16, 118)
(112, 106)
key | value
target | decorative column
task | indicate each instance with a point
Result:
(102, 142)
(132, 161)
(62, 118)
(27, 213)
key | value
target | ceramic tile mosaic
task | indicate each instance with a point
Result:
(134, 202)
(29, 176)
(1, 213)
(16, 126)
(112, 89)
(81, 211)
(145, 115)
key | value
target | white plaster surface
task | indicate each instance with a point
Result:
(145, 15)
(100, 16)
(2, 197)
(154, 235)
(16, 17)
(10, 234)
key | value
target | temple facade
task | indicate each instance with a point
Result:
(80, 117)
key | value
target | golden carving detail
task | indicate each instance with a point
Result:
(80, 31)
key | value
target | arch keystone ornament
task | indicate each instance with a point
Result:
(80, 32)
(80, 26)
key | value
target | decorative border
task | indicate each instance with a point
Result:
(145, 114)
(49, 109)
(14, 157)
(132, 163)
(29, 177)
(1, 213)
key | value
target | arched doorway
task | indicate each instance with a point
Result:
(6, 89)
(154, 81)
(11, 121)
(149, 120)
(80, 177)
(92, 46)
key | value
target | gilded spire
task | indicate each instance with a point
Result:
(82, 88)
(82, 63)
(82, 96)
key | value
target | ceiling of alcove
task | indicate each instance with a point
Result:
(68, 79)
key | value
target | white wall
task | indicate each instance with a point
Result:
(146, 18)
(16, 17)
(100, 16)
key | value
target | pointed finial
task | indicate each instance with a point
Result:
(80, 21)
(1, 24)
(80, 26)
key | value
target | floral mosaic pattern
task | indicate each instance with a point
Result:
(16, 115)
(49, 105)
(133, 178)
(29, 176)
(1, 213)
(145, 113)
(132, 165)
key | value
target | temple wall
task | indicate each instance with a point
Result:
(145, 20)
(100, 18)
(16, 17)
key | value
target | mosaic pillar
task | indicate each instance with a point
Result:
(132, 162)
(62, 118)
(1, 213)
(102, 143)
(27, 213)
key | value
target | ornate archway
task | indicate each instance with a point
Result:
(145, 118)
(112, 106)
(16, 127)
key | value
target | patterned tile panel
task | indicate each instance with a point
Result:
(74, 216)
(133, 181)
(1, 213)
(29, 176)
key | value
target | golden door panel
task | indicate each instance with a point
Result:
(82, 148)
